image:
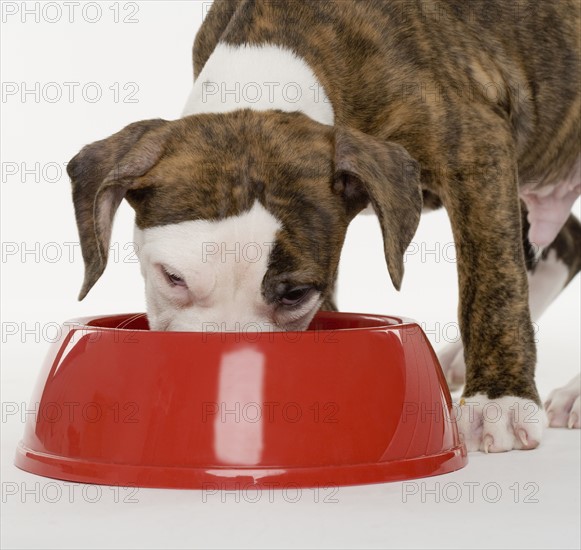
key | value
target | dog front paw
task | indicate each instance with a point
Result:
(563, 405)
(498, 425)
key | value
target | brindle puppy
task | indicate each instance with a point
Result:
(303, 113)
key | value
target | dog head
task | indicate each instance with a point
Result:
(240, 217)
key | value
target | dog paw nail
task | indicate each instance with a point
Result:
(522, 435)
(487, 442)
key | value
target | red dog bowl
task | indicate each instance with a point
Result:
(354, 399)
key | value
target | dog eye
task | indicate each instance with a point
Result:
(173, 279)
(295, 296)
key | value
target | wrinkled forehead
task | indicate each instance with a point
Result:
(258, 184)
(217, 166)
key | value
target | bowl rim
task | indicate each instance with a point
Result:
(390, 322)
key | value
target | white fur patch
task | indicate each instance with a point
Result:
(497, 425)
(223, 264)
(563, 405)
(260, 78)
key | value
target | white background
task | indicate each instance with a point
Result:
(39, 289)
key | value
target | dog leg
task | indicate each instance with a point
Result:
(556, 267)
(500, 409)
(563, 405)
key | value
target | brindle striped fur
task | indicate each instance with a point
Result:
(484, 95)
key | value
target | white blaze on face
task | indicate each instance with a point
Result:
(222, 264)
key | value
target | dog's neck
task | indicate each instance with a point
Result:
(260, 78)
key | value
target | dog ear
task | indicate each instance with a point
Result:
(367, 170)
(101, 173)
